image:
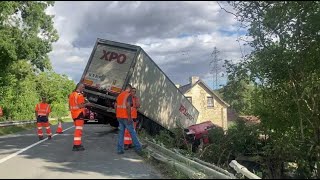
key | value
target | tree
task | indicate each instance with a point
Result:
(18, 93)
(26, 36)
(56, 88)
(238, 90)
(26, 33)
(285, 63)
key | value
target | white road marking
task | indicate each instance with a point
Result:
(26, 148)
(132, 160)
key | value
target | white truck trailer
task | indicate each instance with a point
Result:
(113, 65)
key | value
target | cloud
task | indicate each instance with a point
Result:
(74, 59)
(178, 36)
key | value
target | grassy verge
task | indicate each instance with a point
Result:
(55, 121)
(14, 129)
(168, 173)
(18, 128)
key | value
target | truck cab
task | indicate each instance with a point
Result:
(197, 134)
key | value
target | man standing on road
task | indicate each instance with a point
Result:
(123, 113)
(77, 107)
(134, 115)
(42, 111)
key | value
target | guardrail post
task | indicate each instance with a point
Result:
(243, 170)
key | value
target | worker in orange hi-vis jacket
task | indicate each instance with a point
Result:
(134, 116)
(77, 107)
(42, 111)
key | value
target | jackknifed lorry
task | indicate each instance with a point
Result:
(112, 65)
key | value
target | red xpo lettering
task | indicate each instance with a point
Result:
(110, 56)
(184, 111)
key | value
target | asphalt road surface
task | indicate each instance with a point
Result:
(22, 155)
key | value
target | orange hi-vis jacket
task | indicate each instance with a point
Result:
(135, 104)
(43, 109)
(121, 110)
(76, 99)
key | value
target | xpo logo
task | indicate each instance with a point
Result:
(110, 56)
(184, 111)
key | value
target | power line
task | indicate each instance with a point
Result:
(214, 67)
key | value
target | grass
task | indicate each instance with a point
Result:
(14, 129)
(18, 128)
(168, 173)
(55, 122)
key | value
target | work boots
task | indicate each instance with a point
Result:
(40, 138)
(78, 148)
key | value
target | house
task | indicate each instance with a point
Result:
(207, 102)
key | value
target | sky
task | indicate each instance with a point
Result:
(179, 36)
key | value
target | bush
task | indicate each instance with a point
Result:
(166, 138)
(239, 140)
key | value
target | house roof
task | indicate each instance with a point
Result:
(186, 88)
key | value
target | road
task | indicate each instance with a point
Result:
(22, 155)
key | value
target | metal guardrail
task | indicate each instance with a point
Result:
(191, 168)
(243, 170)
(13, 123)
(195, 168)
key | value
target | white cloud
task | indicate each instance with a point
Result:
(178, 36)
(74, 59)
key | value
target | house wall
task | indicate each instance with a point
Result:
(216, 114)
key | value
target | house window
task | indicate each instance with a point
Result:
(190, 99)
(210, 101)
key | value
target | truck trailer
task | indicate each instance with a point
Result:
(112, 65)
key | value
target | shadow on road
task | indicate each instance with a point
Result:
(55, 158)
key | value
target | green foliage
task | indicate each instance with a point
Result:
(26, 35)
(175, 139)
(56, 88)
(240, 140)
(19, 93)
(21, 96)
(59, 109)
(284, 66)
(238, 90)
(166, 138)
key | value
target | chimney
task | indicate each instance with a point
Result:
(178, 85)
(194, 79)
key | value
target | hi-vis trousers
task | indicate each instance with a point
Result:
(78, 123)
(42, 121)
